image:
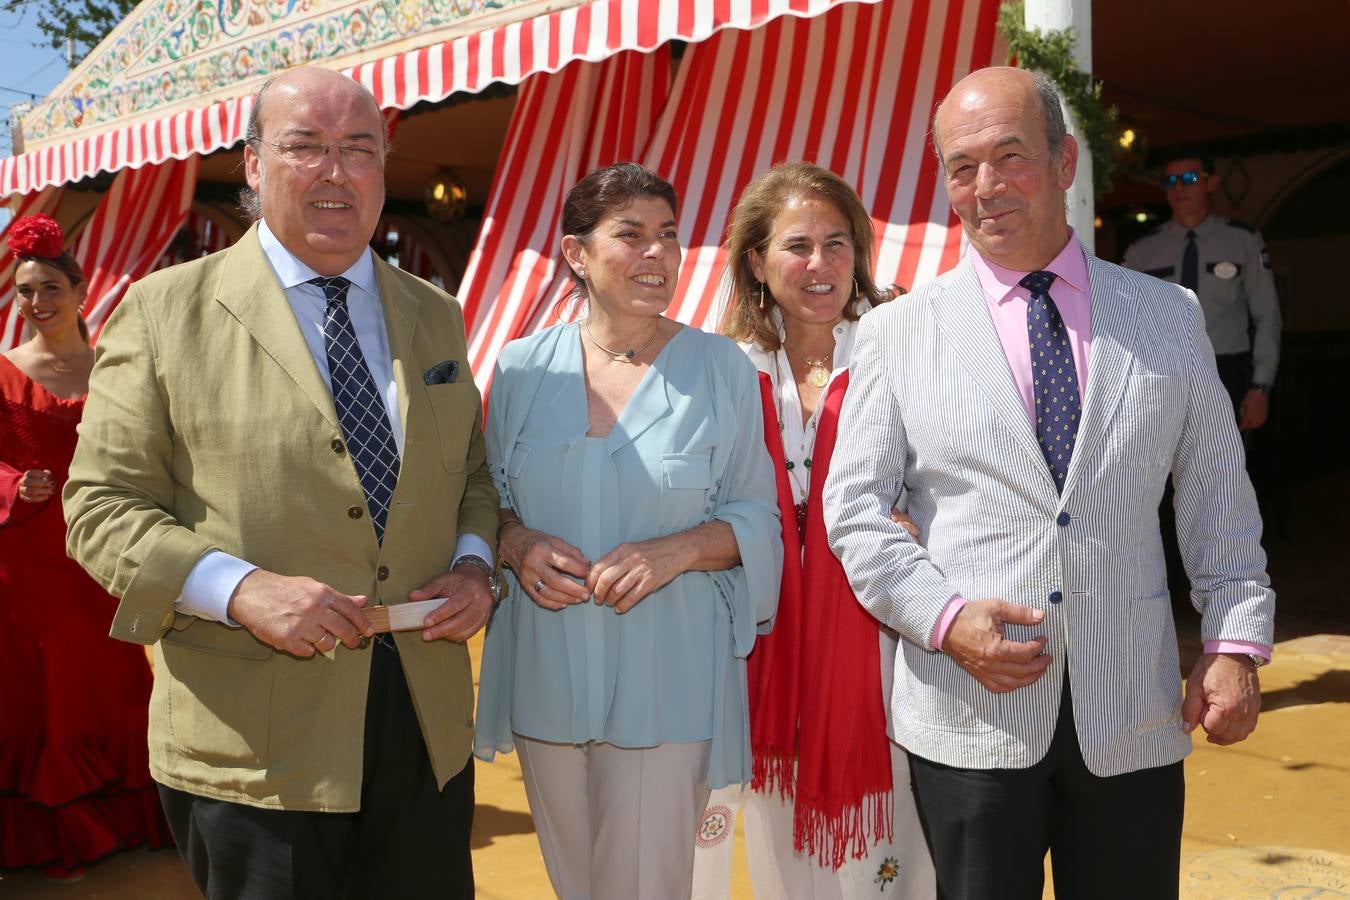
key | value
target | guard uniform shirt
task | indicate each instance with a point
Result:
(1236, 286)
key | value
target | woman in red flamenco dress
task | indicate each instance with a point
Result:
(74, 775)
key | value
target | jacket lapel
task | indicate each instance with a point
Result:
(1115, 329)
(400, 322)
(250, 291)
(963, 318)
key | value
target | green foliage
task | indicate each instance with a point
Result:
(85, 21)
(1052, 53)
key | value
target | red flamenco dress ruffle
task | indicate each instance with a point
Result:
(74, 771)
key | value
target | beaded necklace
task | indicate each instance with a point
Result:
(798, 459)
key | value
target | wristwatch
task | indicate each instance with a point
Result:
(482, 565)
(1262, 386)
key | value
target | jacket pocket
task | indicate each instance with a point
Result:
(941, 697)
(456, 408)
(219, 693)
(1156, 683)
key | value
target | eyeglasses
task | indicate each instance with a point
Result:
(305, 155)
(1176, 178)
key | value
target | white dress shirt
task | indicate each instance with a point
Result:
(799, 445)
(799, 438)
(212, 581)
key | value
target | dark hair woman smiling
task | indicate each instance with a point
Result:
(642, 536)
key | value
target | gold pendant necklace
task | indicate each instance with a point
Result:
(60, 367)
(819, 375)
(817, 370)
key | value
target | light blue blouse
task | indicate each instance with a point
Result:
(688, 449)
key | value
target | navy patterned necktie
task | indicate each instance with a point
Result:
(360, 408)
(1053, 377)
(1190, 263)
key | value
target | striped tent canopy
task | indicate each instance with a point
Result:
(851, 89)
(494, 51)
(849, 84)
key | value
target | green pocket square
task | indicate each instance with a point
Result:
(446, 372)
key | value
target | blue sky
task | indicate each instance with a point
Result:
(27, 66)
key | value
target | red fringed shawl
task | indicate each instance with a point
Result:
(815, 680)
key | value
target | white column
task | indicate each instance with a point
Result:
(1059, 15)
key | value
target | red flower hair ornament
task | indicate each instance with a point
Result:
(37, 236)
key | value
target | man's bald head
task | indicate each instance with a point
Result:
(1007, 78)
(299, 79)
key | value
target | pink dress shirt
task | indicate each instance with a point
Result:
(1007, 303)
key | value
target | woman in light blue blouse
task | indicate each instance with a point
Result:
(640, 527)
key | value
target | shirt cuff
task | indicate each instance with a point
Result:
(944, 622)
(472, 545)
(1245, 647)
(210, 585)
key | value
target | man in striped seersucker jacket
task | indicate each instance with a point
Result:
(1031, 403)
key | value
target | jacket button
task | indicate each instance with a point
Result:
(338, 447)
(1063, 519)
(382, 573)
(354, 512)
(1056, 596)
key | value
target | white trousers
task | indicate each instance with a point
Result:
(614, 823)
(901, 869)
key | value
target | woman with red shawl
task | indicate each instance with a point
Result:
(830, 813)
(74, 778)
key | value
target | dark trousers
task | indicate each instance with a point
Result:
(989, 829)
(1235, 371)
(408, 840)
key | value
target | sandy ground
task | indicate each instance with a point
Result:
(1269, 818)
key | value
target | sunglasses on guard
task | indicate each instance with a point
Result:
(1171, 181)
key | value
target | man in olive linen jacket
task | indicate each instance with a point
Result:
(279, 437)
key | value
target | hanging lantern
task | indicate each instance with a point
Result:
(446, 197)
(1131, 147)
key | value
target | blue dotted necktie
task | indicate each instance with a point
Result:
(360, 409)
(1053, 377)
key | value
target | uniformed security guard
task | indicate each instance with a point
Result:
(1225, 262)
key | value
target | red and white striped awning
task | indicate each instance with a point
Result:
(851, 90)
(507, 53)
